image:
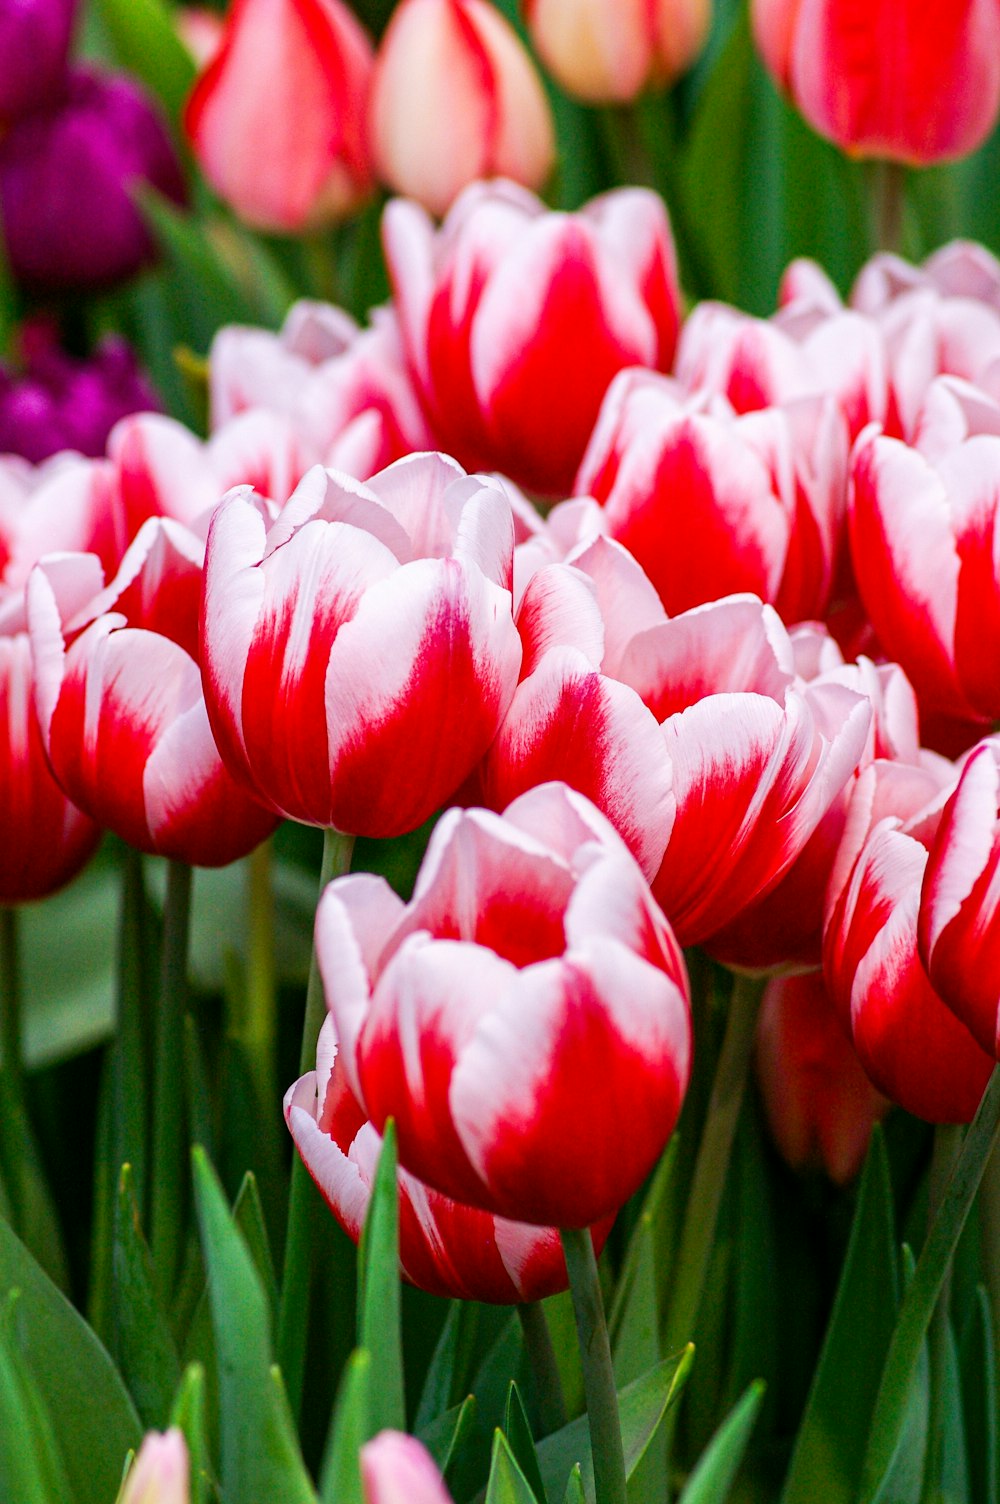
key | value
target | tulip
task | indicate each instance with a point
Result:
(68, 178)
(201, 30)
(277, 119)
(899, 79)
(959, 932)
(923, 518)
(820, 1105)
(515, 319)
(712, 503)
(524, 1019)
(360, 652)
(345, 390)
(56, 402)
(608, 53)
(913, 1048)
(120, 703)
(445, 1247)
(161, 1472)
(397, 1469)
(490, 115)
(34, 45)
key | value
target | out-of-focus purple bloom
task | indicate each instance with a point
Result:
(34, 43)
(57, 402)
(67, 179)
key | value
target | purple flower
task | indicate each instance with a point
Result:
(67, 178)
(34, 43)
(58, 402)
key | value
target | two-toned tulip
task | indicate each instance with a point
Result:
(515, 319)
(608, 53)
(360, 651)
(161, 1472)
(524, 1019)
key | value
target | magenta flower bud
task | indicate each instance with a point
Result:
(58, 402)
(34, 43)
(67, 180)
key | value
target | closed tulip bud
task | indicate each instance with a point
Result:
(397, 1469)
(277, 119)
(607, 51)
(161, 1473)
(525, 1018)
(201, 30)
(490, 115)
(34, 44)
(68, 178)
(444, 1247)
(900, 79)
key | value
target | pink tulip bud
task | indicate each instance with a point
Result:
(489, 116)
(397, 1469)
(201, 30)
(903, 79)
(605, 51)
(277, 119)
(161, 1472)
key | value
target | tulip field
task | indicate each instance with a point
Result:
(500, 752)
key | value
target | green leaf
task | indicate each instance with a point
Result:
(145, 41)
(141, 1340)
(522, 1443)
(31, 1210)
(190, 252)
(716, 1470)
(260, 1456)
(507, 1483)
(248, 1214)
(446, 1436)
(189, 1414)
(574, 1488)
(379, 1319)
(341, 1477)
(448, 1373)
(74, 1376)
(903, 1482)
(977, 1357)
(31, 1470)
(830, 1447)
(641, 1405)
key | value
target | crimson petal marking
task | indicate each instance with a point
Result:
(354, 920)
(559, 610)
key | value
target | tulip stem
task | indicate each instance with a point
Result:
(712, 1163)
(10, 995)
(296, 1276)
(544, 1366)
(258, 1026)
(888, 195)
(169, 1149)
(925, 1288)
(598, 1373)
(989, 1208)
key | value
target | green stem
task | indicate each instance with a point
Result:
(712, 1163)
(888, 200)
(598, 1373)
(169, 1153)
(10, 995)
(258, 1031)
(925, 1288)
(947, 1147)
(297, 1271)
(544, 1366)
(989, 1207)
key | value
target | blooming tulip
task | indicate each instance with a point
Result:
(277, 119)
(397, 1469)
(900, 79)
(820, 1105)
(161, 1472)
(445, 1247)
(524, 1018)
(606, 53)
(959, 930)
(360, 652)
(515, 319)
(120, 702)
(34, 43)
(490, 115)
(68, 178)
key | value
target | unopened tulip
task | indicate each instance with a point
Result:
(444, 1247)
(68, 180)
(606, 51)
(34, 44)
(515, 319)
(524, 1018)
(398, 1469)
(161, 1473)
(490, 115)
(959, 927)
(277, 119)
(820, 1105)
(201, 30)
(360, 651)
(900, 79)
(120, 703)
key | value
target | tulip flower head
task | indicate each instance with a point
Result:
(277, 119)
(489, 116)
(397, 1469)
(161, 1473)
(607, 51)
(34, 45)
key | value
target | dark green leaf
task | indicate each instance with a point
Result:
(716, 1470)
(903, 1482)
(249, 1217)
(448, 1373)
(189, 1414)
(141, 1340)
(977, 1356)
(379, 1322)
(145, 41)
(30, 1208)
(31, 1470)
(574, 1488)
(507, 1483)
(341, 1478)
(446, 1436)
(522, 1443)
